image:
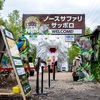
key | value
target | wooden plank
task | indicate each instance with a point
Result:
(6, 93)
(2, 51)
(98, 27)
(2, 46)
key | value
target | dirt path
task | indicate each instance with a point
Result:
(66, 89)
(58, 76)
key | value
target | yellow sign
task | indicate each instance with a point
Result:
(48, 61)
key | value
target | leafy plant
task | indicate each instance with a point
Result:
(72, 52)
(14, 23)
(1, 4)
(32, 52)
(95, 68)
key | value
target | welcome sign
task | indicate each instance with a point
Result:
(60, 24)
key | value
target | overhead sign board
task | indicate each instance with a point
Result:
(60, 24)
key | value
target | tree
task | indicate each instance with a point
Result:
(1, 4)
(87, 31)
(2, 22)
(72, 52)
(32, 52)
(14, 23)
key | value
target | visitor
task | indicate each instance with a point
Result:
(76, 64)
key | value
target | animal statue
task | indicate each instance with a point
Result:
(84, 43)
(22, 43)
(86, 48)
(23, 46)
(50, 45)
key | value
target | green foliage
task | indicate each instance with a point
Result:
(6, 58)
(72, 52)
(87, 31)
(99, 50)
(2, 22)
(14, 24)
(95, 69)
(47, 32)
(1, 4)
(32, 52)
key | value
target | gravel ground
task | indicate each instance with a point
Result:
(64, 89)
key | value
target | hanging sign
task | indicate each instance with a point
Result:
(59, 24)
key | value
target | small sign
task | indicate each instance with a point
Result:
(18, 62)
(31, 64)
(20, 71)
(48, 60)
(53, 58)
(69, 38)
(9, 34)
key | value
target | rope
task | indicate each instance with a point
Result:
(29, 68)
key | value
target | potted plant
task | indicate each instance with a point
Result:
(75, 76)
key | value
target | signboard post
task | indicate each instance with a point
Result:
(53, 62)
(48, 61)
(16, 61)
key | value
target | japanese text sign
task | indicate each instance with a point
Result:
(57, 23)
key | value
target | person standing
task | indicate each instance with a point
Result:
(76, 63)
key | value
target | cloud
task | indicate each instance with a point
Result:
(91, 8)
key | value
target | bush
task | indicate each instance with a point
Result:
(95, 70)
(95, 66)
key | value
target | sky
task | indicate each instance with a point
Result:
(91, 8)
